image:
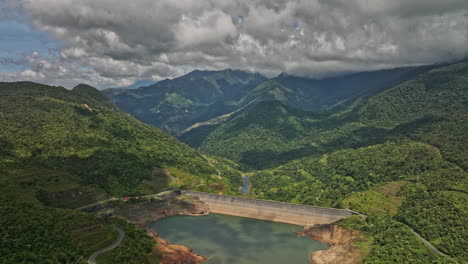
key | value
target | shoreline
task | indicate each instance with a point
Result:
(340, 240)
(142, 214)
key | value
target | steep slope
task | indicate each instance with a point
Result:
(62, 149)
(411, 136)
(262, 136)
(430, 108)
(48, 130)
(175, 104)
(340, 92)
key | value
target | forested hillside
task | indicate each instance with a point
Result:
(33, 233)
(341, 91)
(62, 149)
(176, 104)
(431, 108)
(82, 134)
(398, 155)
(401, 154)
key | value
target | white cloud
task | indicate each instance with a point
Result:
(108, 42)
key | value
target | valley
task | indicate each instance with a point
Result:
(392, 148)
(224, 132)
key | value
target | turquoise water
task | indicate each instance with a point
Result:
(228, 239)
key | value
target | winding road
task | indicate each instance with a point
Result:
(92, 258)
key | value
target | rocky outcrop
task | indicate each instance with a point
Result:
(174, 254)
(341, 241)
(331, 234)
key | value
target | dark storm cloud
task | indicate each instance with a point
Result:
(120, 41)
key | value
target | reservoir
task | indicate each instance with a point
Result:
(226, 239)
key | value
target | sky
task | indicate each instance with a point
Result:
(111, 43)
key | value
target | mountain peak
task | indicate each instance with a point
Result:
(282, 75)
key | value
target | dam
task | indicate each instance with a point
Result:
(296, 214)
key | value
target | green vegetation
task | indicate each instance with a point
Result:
(380, 201)
(60, 130)
(326, 181)
(384, 240)
(360, 157)
(136, 248)
(62, 148)
(34, 233)
(433, 202)
(49, 187)
(398, 155)
(270, 134)
(438, 214)
(229, 177)
(174, 105)
(393, 242)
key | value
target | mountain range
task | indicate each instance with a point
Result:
(336, 141)
(177, 104)
(390, 144)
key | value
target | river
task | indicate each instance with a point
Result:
(245, 185)
(228, 239)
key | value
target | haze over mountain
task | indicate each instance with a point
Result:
(137, 84)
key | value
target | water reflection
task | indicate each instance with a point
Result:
(231, 239)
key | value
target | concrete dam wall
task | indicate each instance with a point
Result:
(303, 215)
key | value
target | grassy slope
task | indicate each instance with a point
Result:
(380, 201)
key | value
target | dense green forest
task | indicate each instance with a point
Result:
(56, 129)
(396, 154)
(173, 105)
(391, 242)
(411, 136)
(33, 233)
(176, 104)
(430, 108)
(62, 149)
